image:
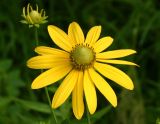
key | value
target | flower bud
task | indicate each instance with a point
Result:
(33, 17)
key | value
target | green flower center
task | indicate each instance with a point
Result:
(82, 57)
(35, 16)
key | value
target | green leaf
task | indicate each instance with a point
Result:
(37, 106)
(99, 114)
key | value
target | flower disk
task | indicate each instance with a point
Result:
(83, 64)
(82, 57)
(35, 16)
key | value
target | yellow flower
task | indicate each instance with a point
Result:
(81, 63)
(33, 17)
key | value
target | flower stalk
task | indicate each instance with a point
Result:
(46, 89)
(88, 115)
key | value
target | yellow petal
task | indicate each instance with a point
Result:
(103, 87)
(93, 35)
(75, 33)
(51, 76)
(102, 44)
(117, 62)
(46, 62)
(115, 75)
(115, 54)
(49, 50)
(90, 93)
(65, 89)
(60, 38)
(77, 97)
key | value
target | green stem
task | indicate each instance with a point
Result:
(46, 89)
(49, 101)
(36, 36)
(88, 115)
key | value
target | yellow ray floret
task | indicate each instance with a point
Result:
(90, 93)
(115, 54)
(47, 61)
(43, 50)
(114, 74)
(77, 97)
(60, 38)
(93, 35)
(65, 89)
(51, 76)
(103, 87)
(122, 62)
(75, 33)
(102, 44)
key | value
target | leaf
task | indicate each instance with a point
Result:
(37, 106)
(99, 114)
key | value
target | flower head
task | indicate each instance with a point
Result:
(81, 62)
(33, 17)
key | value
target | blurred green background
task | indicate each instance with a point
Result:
(133, 24)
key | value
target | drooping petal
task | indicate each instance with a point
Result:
(115, 54)
(123, 62)
(90, 93)
(49, 50)
(115, 75)
(75, 33)
(103, 87)
(93, 35)
(102, 44)
(60, 38)
(77, 97)
(65, 89)
(46, 62)
(51, 76)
